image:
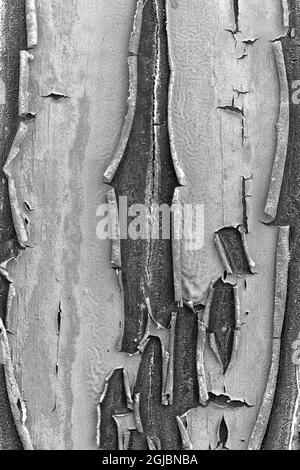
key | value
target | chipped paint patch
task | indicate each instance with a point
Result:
(17, 403)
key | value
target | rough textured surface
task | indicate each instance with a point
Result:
(279, 430)
(208, 96)
(13, 39)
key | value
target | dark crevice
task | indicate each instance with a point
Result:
(14, 33)
(222, 320)
(56, 96)
(159, 421)
(236, 11)
(137, 441)
(224, 401)
(279, 430)
(231, 241)
(146, 176)
(114, 403)
(245, 196)
(223, 435)
(233, 108)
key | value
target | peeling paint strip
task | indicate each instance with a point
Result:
(125, 133)
(203, 394)
(295, 434)
(186, 441)
(17, 404)
(213, 345)
(285, 13)
(282, 266)
(25, 58)
(237, 305)
(127, 389)
(137, 28)
(10, 314)
(98, 424)
(222, 254)
(166, 337)
(237, 332)
(165, 368)
(282, 262)
(235, 348)
(18, 220)
(31, 23)
(125, 423)
(265, 410)
(282, 127)
(106, 383)
(176, 215)
(154, 443)
(208, 303)
(136, 412)
(176, 162)
(168, 392)
(115, 229)
(250, 261)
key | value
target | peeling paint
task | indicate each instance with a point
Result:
(18, 218)
(282, 262)
(285, 13)
(24, 94)
(31, 22)
(125, 133)
(282, 128)
(137, 28)
(17, 403)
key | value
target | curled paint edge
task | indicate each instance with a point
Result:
(98, 425)
(31, 24)
(167, 351)
(237, 330)
(285, 13)
(115, 229)
(213, 346)
(19, 223)
(103, 394)
(282, 261)
(154, 443)
(282, 267)
(12, 293)
(24, 95)
(186, 441)
(127, 389)
(176, 247)
(282, 128)
(203, 393)
(136, 412)
(176, 162)
(127, 126)
(123, 441)
(296, 416)
(211, 336)
(250, 261)
(106, 383)
(169, 387)
(135, 37)
(222, 254)
(262, 421)
(17, 403)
